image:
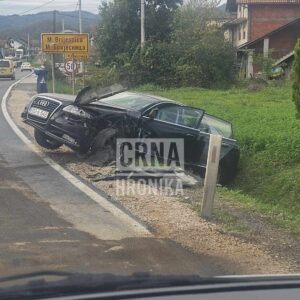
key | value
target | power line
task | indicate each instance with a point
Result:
(37, 7)
(77, 4)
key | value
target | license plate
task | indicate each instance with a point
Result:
(38, 112)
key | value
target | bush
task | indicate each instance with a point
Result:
(181, 49)
(158, 64)
(209, 63)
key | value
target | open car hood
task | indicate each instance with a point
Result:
(92, 94)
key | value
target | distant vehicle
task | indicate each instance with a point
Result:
(19, 53)
(26, 66)
(10, 57)
(277, 72)
(7, 69)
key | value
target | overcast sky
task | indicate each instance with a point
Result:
(20, 7)
(9, 7)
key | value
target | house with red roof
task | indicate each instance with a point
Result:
(266, 27)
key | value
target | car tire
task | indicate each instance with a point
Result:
(106, 138)
(44, 141)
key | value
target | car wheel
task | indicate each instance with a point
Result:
(44, 141)
(104, 139)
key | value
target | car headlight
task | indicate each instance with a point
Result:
(74, 110)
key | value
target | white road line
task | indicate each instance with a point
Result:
(133, 224)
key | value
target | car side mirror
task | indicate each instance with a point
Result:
(153, 113)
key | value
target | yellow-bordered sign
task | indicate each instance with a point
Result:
(77, 56)
(65, 43)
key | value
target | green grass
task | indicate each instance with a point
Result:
(62, 87)
(269, 137)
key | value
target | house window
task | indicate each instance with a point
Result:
(244, 32)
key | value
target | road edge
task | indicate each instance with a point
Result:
(93, 195)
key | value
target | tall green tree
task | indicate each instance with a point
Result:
(296, 79)
(118, 32)
(206, 59)
(192, 21)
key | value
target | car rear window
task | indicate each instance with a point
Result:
(4, 64)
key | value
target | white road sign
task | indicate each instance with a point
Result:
(70, 66)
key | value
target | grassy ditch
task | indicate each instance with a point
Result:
(269, 136)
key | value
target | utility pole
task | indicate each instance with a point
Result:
(142, 23)
(54, 21)
(80, 16)
(28, 46)
(82, 64)
(63, 25)
(52, 55)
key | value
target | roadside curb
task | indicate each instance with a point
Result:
(101, 198)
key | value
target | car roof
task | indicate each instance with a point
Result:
(155, 99)
(152, 100)
(158, 98)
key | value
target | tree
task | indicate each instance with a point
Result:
(209, 62)
(159, 17)
(191, 22)
(182, 46)
(206, 59)
(118, 32)
(296, 79)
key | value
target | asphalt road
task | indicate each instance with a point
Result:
(46, 223)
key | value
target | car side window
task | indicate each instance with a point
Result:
(170, 114)
(178, 115)
(190, 117)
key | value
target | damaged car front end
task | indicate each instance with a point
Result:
(97, 117)
(60, 119)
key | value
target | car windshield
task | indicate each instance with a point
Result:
(148, 141)
(4, 64)
(129, 101)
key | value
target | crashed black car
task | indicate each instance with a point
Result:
(96, 117)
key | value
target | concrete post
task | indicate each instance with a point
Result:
(266, 48)
(250, 64)
(211, 175)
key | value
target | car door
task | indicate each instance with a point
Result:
(175, 121)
